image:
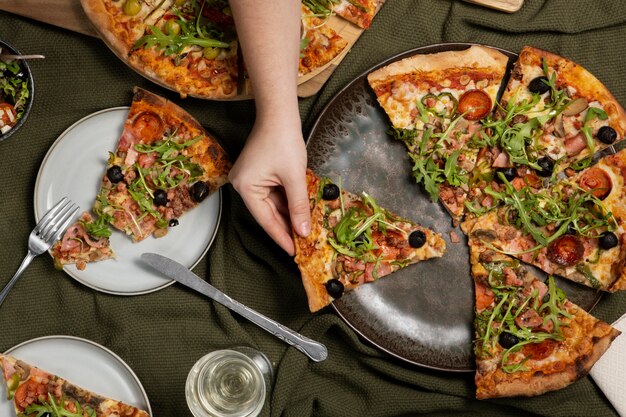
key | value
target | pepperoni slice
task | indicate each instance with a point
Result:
(474, 104)
(597, 181)
(148, 126)
(567, 250)
(539, 351)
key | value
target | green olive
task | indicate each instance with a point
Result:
(179, 2)
(226, 10)
(172, 27)
(211, 53)
(132, 7)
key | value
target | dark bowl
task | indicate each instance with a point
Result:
(31, 87)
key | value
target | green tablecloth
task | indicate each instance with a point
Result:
(160, 335)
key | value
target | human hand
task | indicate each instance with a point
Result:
(270, 176)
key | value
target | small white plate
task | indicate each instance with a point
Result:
(74, 167)
(84, 363)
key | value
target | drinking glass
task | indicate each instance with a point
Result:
(231, 382)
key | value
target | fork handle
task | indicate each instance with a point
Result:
(29, 257)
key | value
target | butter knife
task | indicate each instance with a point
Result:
(314, 350)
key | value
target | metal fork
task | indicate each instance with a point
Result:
(46, 232)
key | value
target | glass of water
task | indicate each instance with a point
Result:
(229, 383)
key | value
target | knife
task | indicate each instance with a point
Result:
(314, 350)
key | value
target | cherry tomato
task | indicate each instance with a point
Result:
(539, 351)
(597, 181)
(567, 250)
(8, 116)
(474, 104)
(148, 126)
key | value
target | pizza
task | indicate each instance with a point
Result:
(164, 165)
(553, 116)
(528, 337)
(435, 103)
(354, 241)
(528, 178)
(359, 12)
(35, 392)
(573, 229)
(191, 46)
(85, 241)
(185, 45)
(320, 44)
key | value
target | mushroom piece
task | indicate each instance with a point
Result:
(575, 107)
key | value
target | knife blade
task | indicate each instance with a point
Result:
(314, 350)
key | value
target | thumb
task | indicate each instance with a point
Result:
(298, 201)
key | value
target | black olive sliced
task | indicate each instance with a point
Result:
(547, 166)
(509, 174)
(160, 198)
(507, 340)
(606, 134)
(330, 192)
(199, 191)
(417, 239)
(334, 287)
(114, 174)
(607, 240)
(539, 85)
(173, 223)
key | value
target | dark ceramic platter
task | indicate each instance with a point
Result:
(424, 313)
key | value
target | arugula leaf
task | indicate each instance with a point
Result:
(54, 409)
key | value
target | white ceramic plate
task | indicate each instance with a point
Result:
(74, 166)
(84, 363)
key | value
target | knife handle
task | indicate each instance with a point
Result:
(314, 350)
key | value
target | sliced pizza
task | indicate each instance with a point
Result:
(359, 12)
(185, 45)
(554, 112)
(528, 337)
(122, 23)
(435, 103)
(319, 44)
(85, 241)
(35, 392)
(353, 241)
(164, 165)
(569, 230)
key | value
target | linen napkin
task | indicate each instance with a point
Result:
(610, 371)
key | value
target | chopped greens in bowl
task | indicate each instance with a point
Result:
(16, 93)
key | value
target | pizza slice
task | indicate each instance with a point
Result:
(319, 44)
(122, 23)
(553, 115)
(436, 103)
(528, 337)
(353, 241)
(192, 48)
(35, 392)
(85, 241)
(164, 165)
(574, 229)
(359, 12)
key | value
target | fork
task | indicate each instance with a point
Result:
(43, 236)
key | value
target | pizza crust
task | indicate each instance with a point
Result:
(586, 84)
(104, 24)
(475, 57)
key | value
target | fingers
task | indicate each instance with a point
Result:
(298, 200)
(267, 213)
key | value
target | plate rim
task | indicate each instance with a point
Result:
(70, 272)
(424, 49)
(93, 344)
